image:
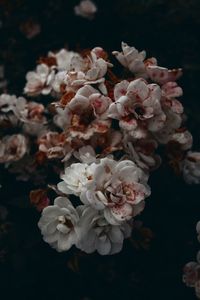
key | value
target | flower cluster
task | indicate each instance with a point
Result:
(191, 271)
(100, 132)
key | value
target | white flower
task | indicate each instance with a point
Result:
(191, 168)
(58, 224)
(183, 138)
(86, 154)
(85, 114)
(138, 107)
(31, 114)
(7, 102)
(162, 75)
(85, 9)
(130, 58)
(40, 81)
(97, 234)
(13, 148)
(75, 178)
(53, 144)
(117, 188)
(142, 152)
(67, 60)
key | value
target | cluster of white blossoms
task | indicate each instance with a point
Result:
(100, 132)
(191, 271)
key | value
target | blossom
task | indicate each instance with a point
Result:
(191, 168)
(117, 188)
(163, 75)
(191, 271)
(31, 114)
(85, 114)
(97, 234)
(13, 148)
(86, 154)
(53, 144)
(131, 58)
(66, 60)
(39, 81)
(142, 152)
(137, 107)
(58, 224)
(85, 9)
(75, 178)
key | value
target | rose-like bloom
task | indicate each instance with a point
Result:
(130, 58)
(95, 233)
(142, 152)
(39, 81)
(85, 114)
(85, 9)
(137, 107)
(13, 148)
(75, 178)
(53, 144)
(58, 224)
(117, 188)
(191, 168)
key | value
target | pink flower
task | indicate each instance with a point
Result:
(85, 9)
(13, 148)
(137, 107)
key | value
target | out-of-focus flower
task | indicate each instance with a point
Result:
(3, 81)
(97, 234)
(30, 28)
(142, 152)
(118, 188)
(138, 107)
(13, 148)
(191, 273)
(67, 60)
(39, 199)
(86, 9)
(58, 224)
(39, 81)
(31, 114)
(191, 168)
(53, 144)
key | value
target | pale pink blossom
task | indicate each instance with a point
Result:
(137, 107)
(13, 148)
(86, 9)
(117, 188)
(39, 81)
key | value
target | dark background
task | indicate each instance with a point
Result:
(29, 268)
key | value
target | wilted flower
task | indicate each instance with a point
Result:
(58, 224)
(86, 9)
